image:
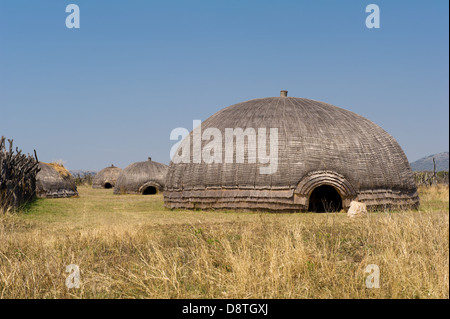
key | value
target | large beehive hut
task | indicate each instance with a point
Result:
(54, 181)
(327, 157)
(146, 178)
(107, 177)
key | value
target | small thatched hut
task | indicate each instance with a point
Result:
(54, 181)
(326, 158)
(107, 177)
(146, 178)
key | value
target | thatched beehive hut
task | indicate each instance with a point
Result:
(146, 178)
(327, 157)
(54, 181)
(107, 177)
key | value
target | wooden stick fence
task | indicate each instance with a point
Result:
(17, 176)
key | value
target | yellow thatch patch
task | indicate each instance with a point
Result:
(63, 172)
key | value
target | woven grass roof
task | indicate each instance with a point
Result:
(136, 177)
(355, 156)
(107, 176)
(54, 181)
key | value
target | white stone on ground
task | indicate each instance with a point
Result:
(356, 209)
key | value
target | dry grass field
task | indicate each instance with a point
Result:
(132, 247)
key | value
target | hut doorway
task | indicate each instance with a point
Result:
(325, 199)
(149, 190)
(108, 185)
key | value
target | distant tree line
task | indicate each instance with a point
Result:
(429, 178)
(17, 177)
(83, 179)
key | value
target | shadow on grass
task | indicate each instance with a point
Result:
(28, 207)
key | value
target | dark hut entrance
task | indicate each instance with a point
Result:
(150, 190)
(108, 185)
(325, 199)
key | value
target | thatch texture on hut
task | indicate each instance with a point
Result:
(146, 178)
(325, 153)
(107, 177)
(54, 181)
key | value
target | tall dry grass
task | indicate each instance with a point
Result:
(253, 256)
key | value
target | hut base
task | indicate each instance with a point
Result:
(103, 186)
(282, 200)
(57, 194)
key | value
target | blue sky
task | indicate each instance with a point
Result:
(113, 90)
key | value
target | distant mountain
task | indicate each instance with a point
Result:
(82, 173)
(426, 163)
